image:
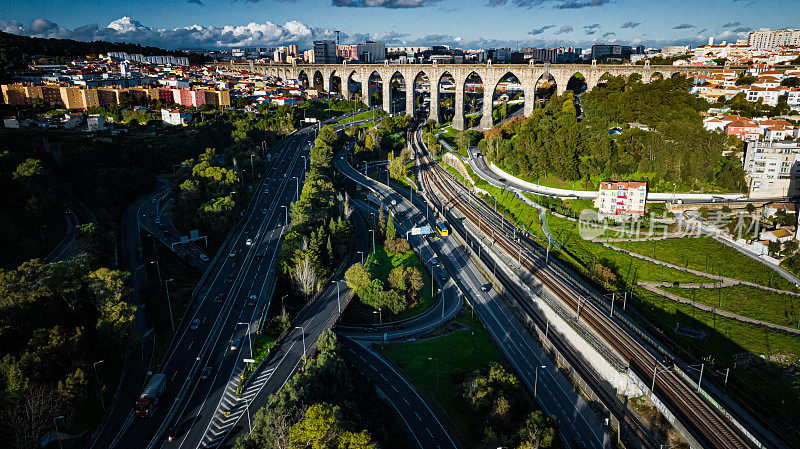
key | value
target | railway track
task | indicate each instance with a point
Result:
(703, 420)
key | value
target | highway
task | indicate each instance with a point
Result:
(706, 422)
(425, 429)
(154, 217)
(76, 213)
(555, 393)
(221, 302)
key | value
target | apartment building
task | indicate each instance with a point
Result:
(772, 169)
(770, 39)
(79, 97)
(621, 198)
(175, 117)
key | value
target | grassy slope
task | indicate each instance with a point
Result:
(701, 253)
(747, 301)
(451, 355)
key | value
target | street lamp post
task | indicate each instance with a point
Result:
(536, 378)
(169, 305)
(158, 268)
(373, 239)
(286, 221)
(303, 334)
(249, 338)
(338, 303)
(296, 188)
(362, 256)
(99, 389)
(380, 315)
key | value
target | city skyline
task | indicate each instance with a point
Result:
(223, 24)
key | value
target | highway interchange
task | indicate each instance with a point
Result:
(204, 412)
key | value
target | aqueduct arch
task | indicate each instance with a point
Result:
(490, 75)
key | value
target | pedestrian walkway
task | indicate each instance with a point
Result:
(723, 281)
(655, 287)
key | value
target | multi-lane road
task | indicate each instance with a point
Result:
(237, 272)
(554, 392)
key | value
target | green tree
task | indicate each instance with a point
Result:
(357, 276)
(539, 431)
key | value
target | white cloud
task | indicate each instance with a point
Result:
(127, 29)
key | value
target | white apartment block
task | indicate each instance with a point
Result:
(770, 39)
(772, 169)
(621, 198)
(175, 117)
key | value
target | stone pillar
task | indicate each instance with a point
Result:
(434, 110)
(364, 87)
(410, 96)
(458, 118)
(326, 83)
(387, 94)
(488, 94)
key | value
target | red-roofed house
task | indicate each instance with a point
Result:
(744, 129)
(619, 198)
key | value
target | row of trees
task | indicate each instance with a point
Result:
(320, 227)
(496, 401)
(328, 405)
(551, 142)
(55, 320)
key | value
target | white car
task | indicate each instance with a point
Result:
(248, 242)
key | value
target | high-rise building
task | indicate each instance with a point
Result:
(371, 51)
(325, 52)
(770, 39)
(293, 50)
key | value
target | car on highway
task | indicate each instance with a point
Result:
(154, 200)
(195, 324)
(251, 300)
(235, 344)
(206, 372)
(232, 253)
(220, 297)
(264, 211)
(503, 180)
(248, 242)
(486, 287)
(434, 261)
(259, 256)
(203, 257)
(443, 277)
(229, 279)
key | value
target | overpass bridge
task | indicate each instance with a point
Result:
(489, 74)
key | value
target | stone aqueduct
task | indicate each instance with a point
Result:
(490, 75)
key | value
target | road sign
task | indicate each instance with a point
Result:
(424, 230)
(184, 238)
(194, 234)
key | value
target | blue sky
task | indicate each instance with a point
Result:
(464, 23)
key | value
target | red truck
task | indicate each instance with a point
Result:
(148, 400)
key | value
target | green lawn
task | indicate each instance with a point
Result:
(747, 301)
(766, 382)
(450, 356)
(383, 263)
(708, 255)
(362, 116)
(629, 268)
